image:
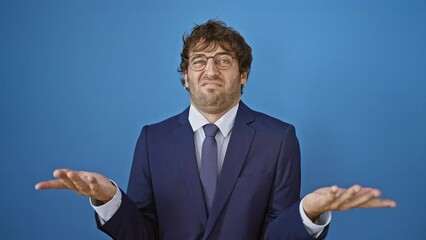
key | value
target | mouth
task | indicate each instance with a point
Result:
(211, 84)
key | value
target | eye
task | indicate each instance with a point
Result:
(224, 60)
(198, 61)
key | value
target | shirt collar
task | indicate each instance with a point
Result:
(224, 123)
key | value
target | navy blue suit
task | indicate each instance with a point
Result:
(257, 196)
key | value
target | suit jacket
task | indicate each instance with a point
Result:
(257, 195)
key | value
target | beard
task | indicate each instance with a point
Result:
(213, 101)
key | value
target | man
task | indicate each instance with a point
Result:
(218, 170)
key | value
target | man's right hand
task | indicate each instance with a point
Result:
(93, 185)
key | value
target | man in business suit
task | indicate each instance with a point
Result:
(253, 190)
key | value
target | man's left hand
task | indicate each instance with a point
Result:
(334, 198)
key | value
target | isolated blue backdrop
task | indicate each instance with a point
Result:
(80, 78)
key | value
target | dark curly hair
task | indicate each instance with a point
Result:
(208, 35)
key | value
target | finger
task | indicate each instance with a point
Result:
(375, 202)
(63, 175)
(92, 182)
(332, 190)
(329, 196)
(101, 188)
(341, 200)
(320, 200)
(79, 182)
(339, 192)
(373, 191)
(378, 203)
(369, 198)
(91, 179)
(60, 172)
(51, 184)
(362, 197)
(330, 193)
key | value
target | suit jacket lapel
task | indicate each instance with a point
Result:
(185, 150)
(238, 147)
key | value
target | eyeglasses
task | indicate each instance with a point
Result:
(222, 61)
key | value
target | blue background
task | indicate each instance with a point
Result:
(80, 78)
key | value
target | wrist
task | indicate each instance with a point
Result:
(97, 203)
(312, 216)
(309, 211)
(109, 193)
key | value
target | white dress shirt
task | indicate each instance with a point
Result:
(225, 124)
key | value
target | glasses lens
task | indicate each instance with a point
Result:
(198, 62)
(223, 61)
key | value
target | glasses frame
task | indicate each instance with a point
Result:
(207, 60)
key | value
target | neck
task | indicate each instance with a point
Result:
(212, 117)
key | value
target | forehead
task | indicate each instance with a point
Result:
(210, 47)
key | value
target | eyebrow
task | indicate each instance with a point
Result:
(200, 53)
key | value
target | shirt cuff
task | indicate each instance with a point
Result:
(108, 209)
(314, 228)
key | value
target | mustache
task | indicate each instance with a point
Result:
(211, 78)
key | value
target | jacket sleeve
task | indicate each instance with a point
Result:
(283, 220)
(136, 216)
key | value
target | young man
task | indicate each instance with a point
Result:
(218, 170)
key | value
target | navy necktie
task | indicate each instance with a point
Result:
(208, 170)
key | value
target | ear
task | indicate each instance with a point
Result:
(185, 76)
(244, 78)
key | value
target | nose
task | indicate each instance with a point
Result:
(211, 67)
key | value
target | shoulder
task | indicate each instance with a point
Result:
(262, 121)
(272, 127)
(267, 120)
(264, 125)
(167, 125)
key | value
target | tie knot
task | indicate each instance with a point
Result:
(210, 130)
